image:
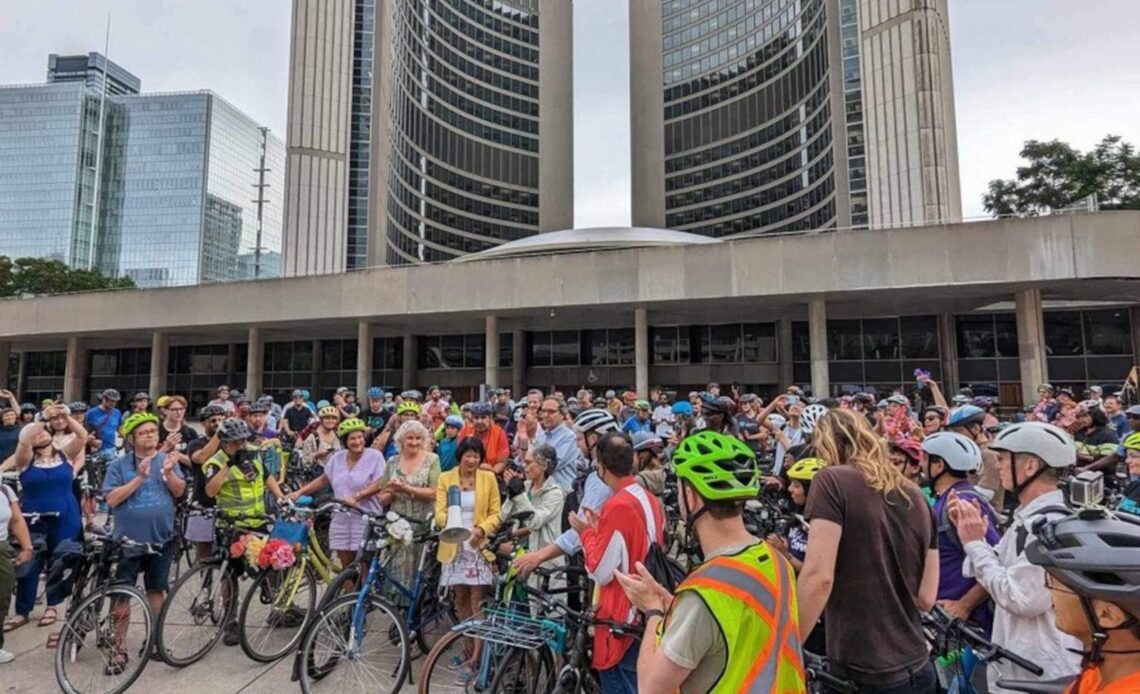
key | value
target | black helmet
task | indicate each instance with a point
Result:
(233, 429)
(77, 407)
(110, 394)
(212, 411)
(27, 407)
(716, 405)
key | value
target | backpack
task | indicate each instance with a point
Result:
(1022, 532)
(664, 569)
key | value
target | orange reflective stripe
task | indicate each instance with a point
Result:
(741, 595)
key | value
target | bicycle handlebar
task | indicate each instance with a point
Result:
(942, 622)
(816, 669)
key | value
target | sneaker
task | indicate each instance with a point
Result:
(230, 637)
(6, 656)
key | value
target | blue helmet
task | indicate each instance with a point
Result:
(375, 393)
(966, 415)
(682, 407)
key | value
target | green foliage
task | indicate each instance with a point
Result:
(1057, 176)
(38, 276)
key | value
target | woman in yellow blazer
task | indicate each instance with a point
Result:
(465, 569)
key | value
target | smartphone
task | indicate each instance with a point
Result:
(792, 399)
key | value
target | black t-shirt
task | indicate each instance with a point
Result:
(747, 425)
(298, 417)
(198, 478)
(188, 435)
(376, 421)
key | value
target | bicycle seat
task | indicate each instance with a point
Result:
(1036, 686)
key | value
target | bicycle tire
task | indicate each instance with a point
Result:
(441, 617)
(336, 589)
(253, 647)
(524, 672)
(430, 669)
(328, 632)
(202, 610)
(86, 620)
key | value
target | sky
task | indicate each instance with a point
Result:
(1023, 69)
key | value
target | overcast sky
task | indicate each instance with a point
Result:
(1022, 69)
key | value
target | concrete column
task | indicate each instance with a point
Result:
(75, 370)
(159, 361)
(646, 114)
(363, 359)
(1030, 342)
(255, 363)
(231, 365)
(21, 373)
(641, 351)
(491, 360)
(1136, 335)
(5, 355)
(411, 354)
(556, 116)
(518, 363)
(948, 354)
(784, 353)
(817, 334)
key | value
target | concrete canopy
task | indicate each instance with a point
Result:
(589, 239)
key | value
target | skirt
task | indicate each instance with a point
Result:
(468, 569)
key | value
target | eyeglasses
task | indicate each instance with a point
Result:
(176, 409)
(549, 411)
(1052, 584)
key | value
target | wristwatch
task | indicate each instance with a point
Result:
(654, 613)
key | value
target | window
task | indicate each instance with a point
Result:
(919, 337)
(759, 342)
(564, 348)
(388, 353)
(452, 351)
(976, 337)
(1108, 332)
(1063, 333)
(881, 339)
(844, 340)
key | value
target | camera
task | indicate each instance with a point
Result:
(1086, 490)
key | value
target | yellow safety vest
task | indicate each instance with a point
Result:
(752, 596)
(240, 496)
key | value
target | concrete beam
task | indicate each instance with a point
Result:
(364, 339)
(1030, 342)
(411, 356)
(641, 351)
(785, 353)
(817, 334)
(75, 370)
(491, 359)
(255, 363)
(159, 361)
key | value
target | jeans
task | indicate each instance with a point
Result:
(27, 586)
(622, 678)
(7, 578)
(923, 681)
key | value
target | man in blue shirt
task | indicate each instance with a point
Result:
(142, 487)
(1116, 418)
(641, 420)
(103, 423)
(554, 431)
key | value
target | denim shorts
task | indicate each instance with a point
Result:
(154, 567)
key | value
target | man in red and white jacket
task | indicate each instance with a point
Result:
(615, 540)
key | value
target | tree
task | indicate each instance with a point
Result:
(1057, 176)
(39, 276)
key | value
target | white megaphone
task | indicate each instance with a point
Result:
(454, 532)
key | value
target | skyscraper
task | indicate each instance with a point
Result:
(768, 116)
(453, 107)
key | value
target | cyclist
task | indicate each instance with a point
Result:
(555, 431)
(1131, 501)
(1032, 456)
(374, 416)
(794, 546)
(733, 624)
(295, 416)
(103, 423)
(950, 458)
(969, 421)
(323, 441)
(649, 466)
(641, 419)
(199, 529)
(223, 400)
(495, 444)
(1092, 570)
(718, 414)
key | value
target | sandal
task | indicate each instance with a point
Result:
(47, 620)
(53, 640)
(14, 623)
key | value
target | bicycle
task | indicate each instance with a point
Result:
(821, 681)
(961, 652)
(280, 604)
(93, 653)
(204, 600)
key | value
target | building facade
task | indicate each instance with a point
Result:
(775, 116)
(189, 189)
(432, 148)
(1052, 299)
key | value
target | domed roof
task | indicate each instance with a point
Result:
(588, 239)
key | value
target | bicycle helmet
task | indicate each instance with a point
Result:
(717, 405)
(259, 407)
(297, 394)
(646, 441)
(960, 400)
(683, 408)
(375, 393)
(1051, 444)
(595, 420)
(910, 448)
(965, 416)
(982, 402)
(110, 394)
(642, 405)
(811, 416)
(408, 406)
(233, 429)
(140, 396)
(478, 409)
(328, 411)
(134, 421)
(806, 469)
(960, 453)
(350, 425)
(898, 399)
(453, 420)
(27, 407)
(78, 407)
(1132, 441)
(720, 467)
(777, 421)
(212, 411)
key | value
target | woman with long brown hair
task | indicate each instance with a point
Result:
(874, 545)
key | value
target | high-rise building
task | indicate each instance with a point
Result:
(453, 108)
(768, 116)
(189, 189)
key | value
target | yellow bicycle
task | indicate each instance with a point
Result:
(279, 604)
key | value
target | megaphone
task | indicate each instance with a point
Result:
(454, 532)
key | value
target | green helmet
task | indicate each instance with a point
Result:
(134, 421)
(1132, 441)
(720, 467)
(350, 425)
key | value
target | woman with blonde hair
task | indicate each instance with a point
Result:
(873, 542)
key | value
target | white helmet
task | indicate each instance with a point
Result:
(810, 417)
(596, 420)
(777, 421)
(959, 452)
(1051, 444)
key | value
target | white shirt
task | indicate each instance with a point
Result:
(7, 496)
(795, 438)
(664, 418)
(1024, 617)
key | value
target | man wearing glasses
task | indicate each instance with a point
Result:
(552, 415)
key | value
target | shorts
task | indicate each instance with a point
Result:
(154, 567)
(199, 528)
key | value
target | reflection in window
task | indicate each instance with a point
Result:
(881, 339)
(1108, 332)
(845, 340)
(919, 337)
(975, 337)
(1063, 333)
(759, 342)
(564, 348)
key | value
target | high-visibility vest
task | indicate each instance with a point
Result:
(752, 596)
(239, 496)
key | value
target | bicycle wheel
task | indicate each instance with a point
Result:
(274, 612)
(524, 672)
(105, 642)
(349, 652)
(340, 585)
(435, 617)
(195, 614)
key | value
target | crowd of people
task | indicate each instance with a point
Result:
(899, 505)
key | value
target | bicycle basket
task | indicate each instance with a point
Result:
(293, 532)
(510, 628)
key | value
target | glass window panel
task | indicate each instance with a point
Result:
(919, 337)
(724, 343)
(663, 345)
(881, 338)
(475, 352)
(429, 352)
(801, 344)
(844, 340)
(302, 357)
(1063, 333)
(1108, 332)
(759, 342)
(1066, 368)
(620, 346)
(882, 371)
(539, 349)
(595, 342)
(845, 371)
(977, 370)
(564, 348)
(976, 336)
(506, 349)
(451, 352)
(331, 355)
(1108, 370)
(1005, 333)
